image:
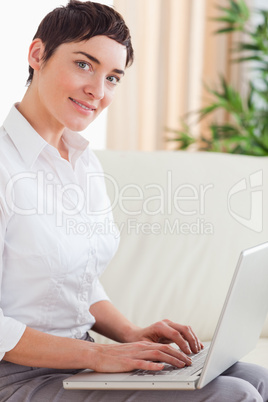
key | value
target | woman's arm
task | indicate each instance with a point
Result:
(112, 324)
(141, 349)
(39, 349)
(43, 350)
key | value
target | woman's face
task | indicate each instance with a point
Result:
(78, 82)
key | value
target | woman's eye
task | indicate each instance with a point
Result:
(113, 80)
(83, 65)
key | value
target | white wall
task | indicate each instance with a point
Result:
(262, 4)
(19, 20)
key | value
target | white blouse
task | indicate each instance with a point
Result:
(56, 233)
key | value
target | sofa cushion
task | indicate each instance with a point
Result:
(183, 218)
(259, 355)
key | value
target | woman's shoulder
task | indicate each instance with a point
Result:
(8, 152)
(5, 146)
(3, 137)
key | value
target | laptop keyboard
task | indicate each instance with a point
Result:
(198, 361)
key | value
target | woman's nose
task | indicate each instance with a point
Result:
(95, 89)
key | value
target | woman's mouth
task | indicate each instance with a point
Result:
(83, 105)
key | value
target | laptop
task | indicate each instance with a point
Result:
(237, 332)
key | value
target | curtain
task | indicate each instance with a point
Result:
(176, 53)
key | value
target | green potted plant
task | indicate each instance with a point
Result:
(246, 131)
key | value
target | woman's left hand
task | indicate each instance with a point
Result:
(112, 324)
(167, 331)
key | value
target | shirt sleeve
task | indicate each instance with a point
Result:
(98, 293)
(108, 240)
(10, 333)
(11, 330)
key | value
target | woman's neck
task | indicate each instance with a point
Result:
(30, 108)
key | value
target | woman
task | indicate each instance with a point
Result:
(51, 295)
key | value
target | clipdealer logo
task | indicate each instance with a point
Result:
(251, 186)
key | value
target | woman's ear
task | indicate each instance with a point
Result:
(36, 52)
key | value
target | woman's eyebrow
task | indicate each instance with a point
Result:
(115, 70)
(92, 58)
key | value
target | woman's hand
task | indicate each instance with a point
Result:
(138, 355)
(141, 347)
(167, 332)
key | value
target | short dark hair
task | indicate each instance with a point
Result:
(80, 21)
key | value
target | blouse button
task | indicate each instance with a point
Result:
(83, 297)
(78, 334)
(89, 277)
(80, 320)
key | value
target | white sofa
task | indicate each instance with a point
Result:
(183, 218)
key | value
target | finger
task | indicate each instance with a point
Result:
(177, 359)
(199, 344)
(190, 338)
(151, 351)
(112, 364)
(165, 353)
(171, 332)
(138, 364)
(178, 354)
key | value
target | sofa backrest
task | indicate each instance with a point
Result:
(183, 218)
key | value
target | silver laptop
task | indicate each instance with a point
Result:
(236, 334)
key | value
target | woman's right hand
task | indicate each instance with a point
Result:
(38, 349)
(138, 355)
